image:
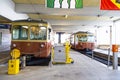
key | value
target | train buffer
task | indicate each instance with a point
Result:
(61, 54)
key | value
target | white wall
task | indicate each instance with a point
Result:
(6, 40)
(103, 34)
(64, 37)
(116, 33)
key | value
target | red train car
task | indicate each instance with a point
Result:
(32, 38)
(82, 41)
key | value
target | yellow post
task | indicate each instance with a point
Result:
(13, 64)
(67, 52)
(52, 55)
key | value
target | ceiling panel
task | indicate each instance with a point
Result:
(86, 3)
(4, 20)
(89, 16)
(67, 17)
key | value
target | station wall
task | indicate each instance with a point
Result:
(5, 40)
(103, 36)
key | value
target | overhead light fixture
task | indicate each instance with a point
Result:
(42, 27)
(83, 25)
(98, 15)
(66, 16)
(111, 17)
(97, 26)
(25, 27)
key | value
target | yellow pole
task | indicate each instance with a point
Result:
(67, 52)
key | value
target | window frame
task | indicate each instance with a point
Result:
(39, 34)
(19, 37)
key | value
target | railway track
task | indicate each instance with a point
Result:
(103, 58)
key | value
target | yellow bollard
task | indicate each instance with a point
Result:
(13, 64)
(67, 52)
(61, 54)
(52, 55)
(15, 53)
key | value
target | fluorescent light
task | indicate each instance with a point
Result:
(42, 27)
(25, 27)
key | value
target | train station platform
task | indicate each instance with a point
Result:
(83, 68)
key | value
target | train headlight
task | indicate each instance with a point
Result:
(14, 45)
(42, 45)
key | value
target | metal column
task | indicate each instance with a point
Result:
(109, 50)
(115, 56)
(115, 49)
(59, 39)
(59, 36)
(115, 60)
(23, 62)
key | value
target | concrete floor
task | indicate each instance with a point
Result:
(84, 68)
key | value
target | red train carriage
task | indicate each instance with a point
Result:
(32, 37)
(82, 41)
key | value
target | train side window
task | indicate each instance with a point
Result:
(0, 38)
(20, 32)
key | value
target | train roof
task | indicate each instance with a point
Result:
(31, 20)
(83, 32)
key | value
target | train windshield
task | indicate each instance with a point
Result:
(91, 38)
(82, 38)
(38, 32)
(86, 38)
(20, 32)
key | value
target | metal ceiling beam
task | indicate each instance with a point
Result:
(36, 8)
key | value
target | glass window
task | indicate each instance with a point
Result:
(91, 38)
(82, 38)
(86, 38)
(20, 32)
(38, 32)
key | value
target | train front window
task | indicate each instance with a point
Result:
(20, 32)
(38, 33)
(90, 38)
(86, 38)
(82, 38)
